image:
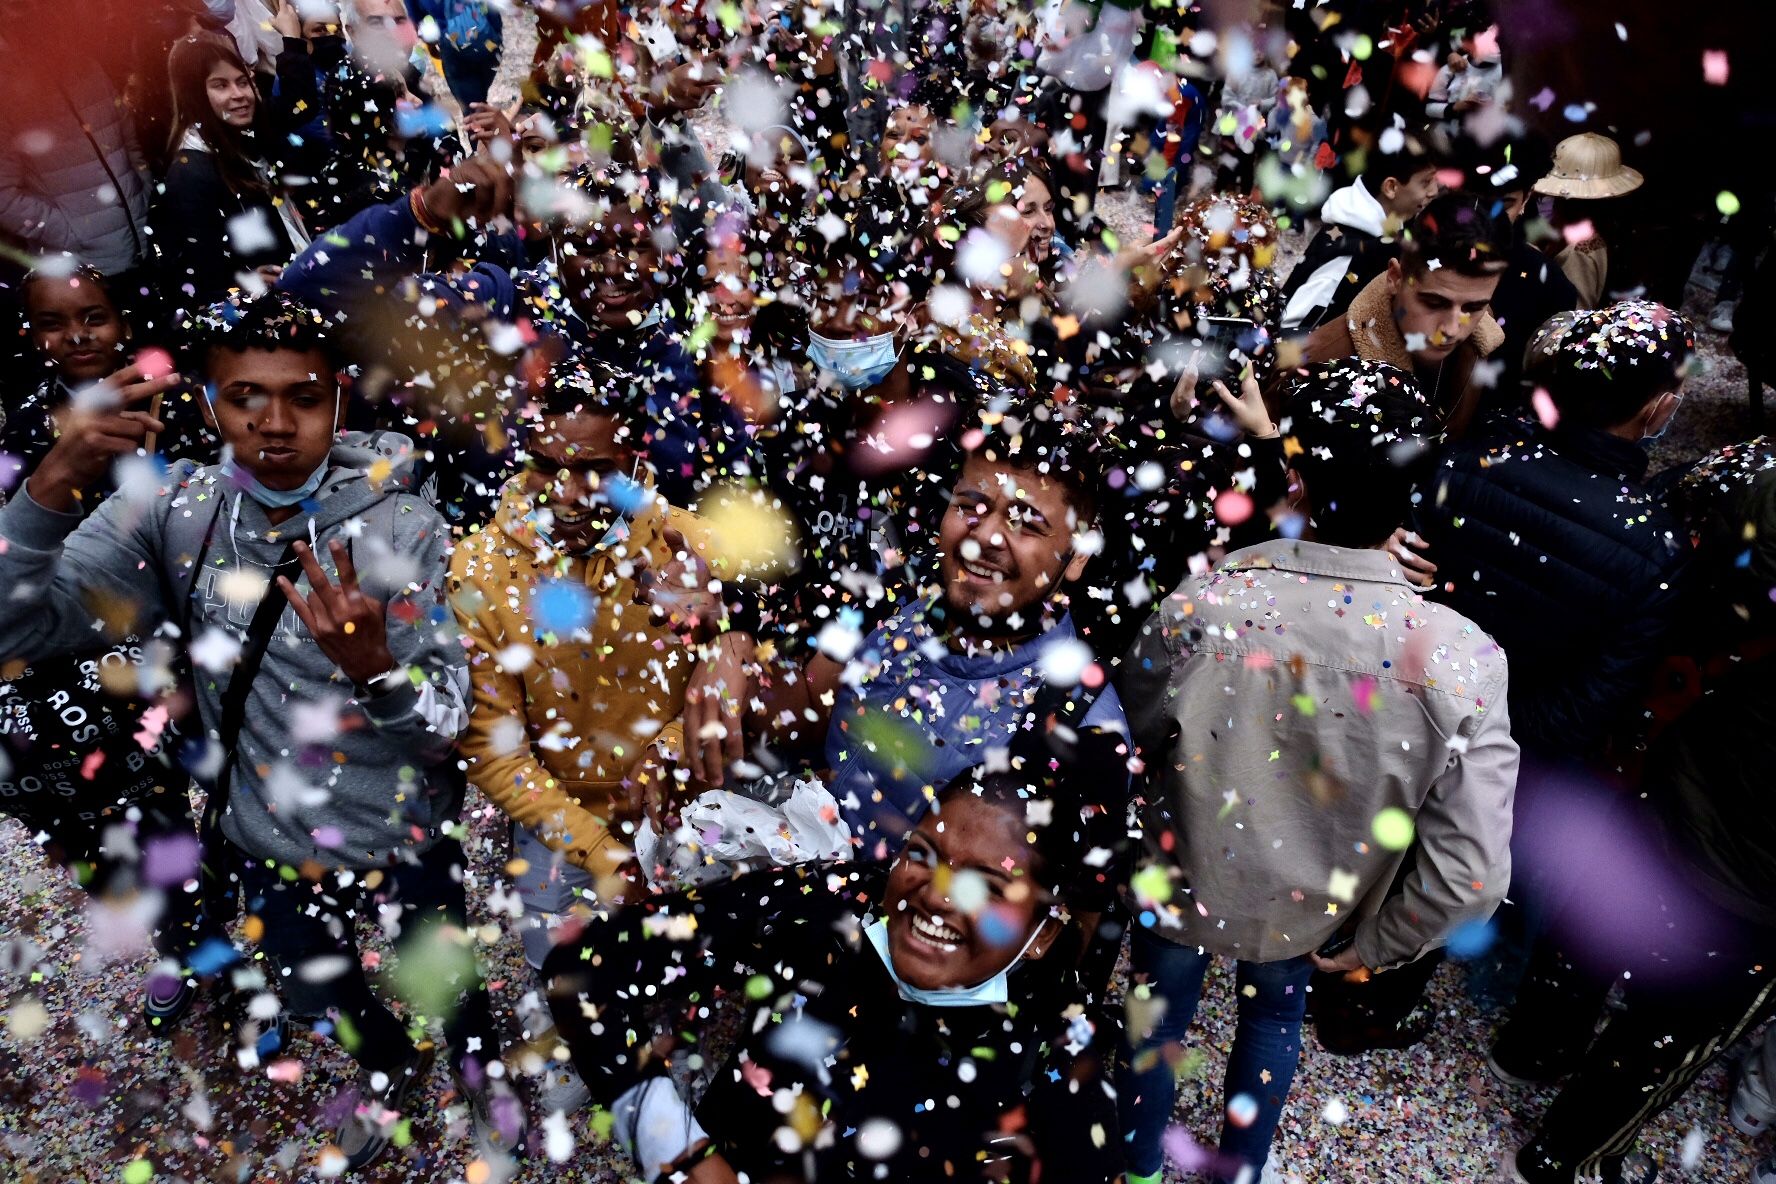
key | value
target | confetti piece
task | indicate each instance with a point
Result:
(1714, 67)
(154, 363)
(1393, 829)
(27, 1019)
(1578, 232)
(1546, 413)
(560, 606)
(1727, 202)
(1233, 507)
(154, 722)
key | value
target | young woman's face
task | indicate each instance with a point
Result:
(76, 328)
(232, 97)
(1036, 206)
(961, 899)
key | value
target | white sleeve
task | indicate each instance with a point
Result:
(1316, 292)
(654, 1125)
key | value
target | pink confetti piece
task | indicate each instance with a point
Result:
(327, 836)
(154, 363)
(1579, 232)
(1714, 67)
(1543, 100)
(90, 765)
(1232, 508)
(154, 722)
(288, 1070)
(1366, 691)
(1546, 412)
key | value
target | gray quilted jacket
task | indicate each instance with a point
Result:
(74, 178)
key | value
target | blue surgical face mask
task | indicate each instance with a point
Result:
(856, 364)
(996, 989)
(1669, 420)
(272, 499)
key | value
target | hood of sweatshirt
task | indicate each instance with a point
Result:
(1356, 207)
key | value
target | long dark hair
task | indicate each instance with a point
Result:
(188, 71)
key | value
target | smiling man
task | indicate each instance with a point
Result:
(1428, 313)
(947, 683)
(578, 678)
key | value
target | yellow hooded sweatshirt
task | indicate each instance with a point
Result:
(561, 720)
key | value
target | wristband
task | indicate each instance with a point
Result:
(421, 215)
(378, 685)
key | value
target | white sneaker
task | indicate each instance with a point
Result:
(1750, 1107)
(561, 1089)
(1765, 1172)
(1722, 320)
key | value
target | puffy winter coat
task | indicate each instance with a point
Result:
(71, 175)
(1552, 542)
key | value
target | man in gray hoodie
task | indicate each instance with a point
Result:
(306, 583)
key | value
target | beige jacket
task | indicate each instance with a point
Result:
(1284, 702)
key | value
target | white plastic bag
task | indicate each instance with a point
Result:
(722, 833)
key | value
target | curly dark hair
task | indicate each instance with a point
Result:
(275, 320)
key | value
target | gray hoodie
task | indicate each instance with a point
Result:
(319, 775)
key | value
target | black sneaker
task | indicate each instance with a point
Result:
(1532, 1165)
(1520, 1061)
(167, 999)
(366, 1132)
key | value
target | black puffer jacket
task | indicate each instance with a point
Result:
(1709, 774)
(1553, 543)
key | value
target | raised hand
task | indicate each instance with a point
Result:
(348, 625)
(111, 419)
(714, 703)
(1405, 545)
(475, 191)
(1247, 408)
(680, 594)
(486, 123)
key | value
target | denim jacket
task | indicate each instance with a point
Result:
(1306, 718)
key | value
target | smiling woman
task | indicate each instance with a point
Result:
(906, 1021)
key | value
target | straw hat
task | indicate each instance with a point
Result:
(1589, 165)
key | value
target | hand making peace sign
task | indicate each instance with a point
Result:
(348, 624)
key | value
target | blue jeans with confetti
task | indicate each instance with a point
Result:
(1266, 1048)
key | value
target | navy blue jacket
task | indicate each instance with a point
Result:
(1554, 544)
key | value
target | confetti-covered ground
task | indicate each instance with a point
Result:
(85, 1092)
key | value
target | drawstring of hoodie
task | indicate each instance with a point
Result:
(314, 542)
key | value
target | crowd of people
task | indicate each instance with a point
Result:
(912, 619)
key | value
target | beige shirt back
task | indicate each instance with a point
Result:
(1284, 703)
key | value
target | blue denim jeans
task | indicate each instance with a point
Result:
(1272, 1001)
